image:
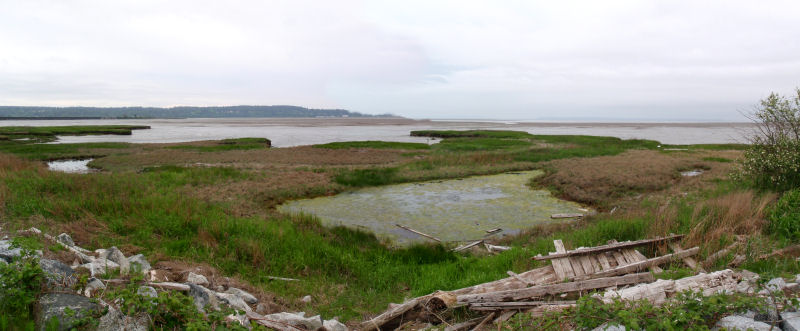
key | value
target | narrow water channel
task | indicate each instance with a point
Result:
(70, 166)
(451, 210)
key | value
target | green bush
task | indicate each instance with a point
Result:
(20, 284)
(784, 216)
(773, 161)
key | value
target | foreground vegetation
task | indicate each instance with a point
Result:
(156, 199)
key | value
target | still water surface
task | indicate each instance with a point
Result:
(450, 210)
(308, 131)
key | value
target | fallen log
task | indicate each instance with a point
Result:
(487, 319)
(566, 215)
(491, 306)
(464, 325)
(542, 290)
(690, 262)
(641, 265)
(517, 277)
(417, 232)
(495, 248)
(170, 286)
(609, 247)
(505, 316)
(793, 249)
(716, 256)
(270, 323)
(392, 313)
(467, 246)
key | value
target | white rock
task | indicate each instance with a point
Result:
(114, 254)
(241, 319)
(65, 239)
(93, 286)
(334, 325)
(100, 267)
(139, 262)
(234, 301)
(147, 291)
(607, 327)
(791, 321)
(247, 297)
(35, 230)
(196, 279)
(298, 320)
(775, 285)
(306, 299)
(741, 323)
(114, 320)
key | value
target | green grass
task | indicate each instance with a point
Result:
(502, 134)
(368, 177)
(48, 152)
(717, 159)
(478, 144)
(228, 145)
(374, 144)
(581, 146)
(713, 147)
(69, 130)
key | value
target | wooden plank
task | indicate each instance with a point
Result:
(467, 246)
(576, 265)
(391, 313)
(587, 265)
(566, 215)
(640, 257)
(609, 247)
(505, 316)
(689, 261)
(417, 232)
(619, 258)
(552, 289)
(603, 259)
(594, 259)
(464, 325)
(502, 305)
(641, 265)
(558, 267)
(484, 321)
(517, 277)
(566, 265)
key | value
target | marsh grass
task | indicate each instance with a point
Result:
(226, 145)
(374, 144)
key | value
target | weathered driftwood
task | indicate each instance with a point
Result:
(270, 323)
(493, 231)
(495, 248)
(170, 286)
(417, 232)
(541, 310)
(464, 325)
(542, 290)
(723, 252)
(566, 215)
(658, 291)
(793, 249)
(517, 277)
(505, 316)
(642, 265)
(282, 278)
(689, 261)
(467, 246)
(484, 321)
(517, 305)
(609, 247)
(392, 313)
(439, 301)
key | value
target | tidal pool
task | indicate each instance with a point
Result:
(451, 210)
(70, 166)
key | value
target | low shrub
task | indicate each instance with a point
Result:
(784, 216)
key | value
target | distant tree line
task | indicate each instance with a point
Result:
(174, 112)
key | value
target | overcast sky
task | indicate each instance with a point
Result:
(613, 60)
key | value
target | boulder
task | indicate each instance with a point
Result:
(610, 327)
(334, 325)
(775, 285)
(139, 263)
(7, 253)
(58, 274)
(196, 279)
(65, 239)
(240, 318)
(297, 320)
(115, 255)
(92, 286)
(247, 297)
(791, 321)
(147, 291)
(741, 323)
(203, 297)
(67, 309)
(100, 266)
(114, 320)
(234, 301)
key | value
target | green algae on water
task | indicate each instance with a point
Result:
(451, 210)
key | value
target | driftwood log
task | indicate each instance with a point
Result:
(543, 290)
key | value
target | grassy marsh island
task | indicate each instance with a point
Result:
(212, 206)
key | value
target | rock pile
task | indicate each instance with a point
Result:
(61, 302)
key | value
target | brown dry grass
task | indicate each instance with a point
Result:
(604, 181)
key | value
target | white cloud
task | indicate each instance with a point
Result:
(510, 59)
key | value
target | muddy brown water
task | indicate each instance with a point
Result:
(450, 210)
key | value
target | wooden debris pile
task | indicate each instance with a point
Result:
(609, 267)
